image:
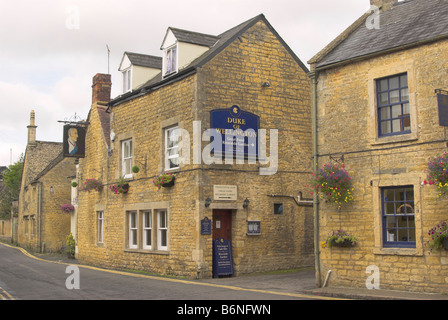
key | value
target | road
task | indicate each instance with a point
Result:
(26, 277)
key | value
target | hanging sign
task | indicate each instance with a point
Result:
(442, 102)
(74, 141)
(222, 258)
(238, 131)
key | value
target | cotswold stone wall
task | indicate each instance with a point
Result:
(233, 77)
(347, 125)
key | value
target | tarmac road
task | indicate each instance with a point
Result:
(27, 277)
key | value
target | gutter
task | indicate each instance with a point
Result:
(314, 75)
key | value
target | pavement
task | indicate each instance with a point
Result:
(295, 282)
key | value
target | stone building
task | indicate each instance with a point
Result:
(246, 78)
(375, 95)
(45, 187)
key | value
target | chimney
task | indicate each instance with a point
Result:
(383, 4)
(101, 88)
(32, 130)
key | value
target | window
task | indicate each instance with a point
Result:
(172, 148)
(100, 215)
(398, 217)
(162, 230)
(140, 226)
(171, 60)
(133, 228)
(127, 80)
(126, 165)
(147, 230)
(278, 208)
(393, 105)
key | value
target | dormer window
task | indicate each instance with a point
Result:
(127, 80)
(171, 60)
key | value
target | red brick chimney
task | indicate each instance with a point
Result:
(101, 88)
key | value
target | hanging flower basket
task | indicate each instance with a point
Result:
(439, 237)
(120, 188)
(333, 184)
(340, 239)
(437, 174)
(67, 208)
(165, 180)
(92, 184)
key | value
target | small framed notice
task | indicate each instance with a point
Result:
(253, 228)
(225, 192)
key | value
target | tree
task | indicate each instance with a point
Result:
(12, 178)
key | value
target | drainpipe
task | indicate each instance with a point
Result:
(313, 75)
(39, 212)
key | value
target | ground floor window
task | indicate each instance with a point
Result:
(140, 226)
(398, 218)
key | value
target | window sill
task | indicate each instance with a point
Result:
(394, 139)
(158, 252)
(399, 251)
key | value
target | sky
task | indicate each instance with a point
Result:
(51, 49)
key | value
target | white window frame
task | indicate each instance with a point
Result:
(127, 80)
(162, 229)
(100, 216)
(147, 229)
(171, 58)
(126, 160)
(133, 230)
(168, 148)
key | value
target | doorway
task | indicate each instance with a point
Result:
(222, 224)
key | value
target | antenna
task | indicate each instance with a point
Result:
(108, 58)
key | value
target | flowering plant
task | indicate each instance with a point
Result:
(162, 179)
(92, 184)
(333, 184)
(121, 187)
(438, 234)
(437, 173)
(67, 208)
(340, 239)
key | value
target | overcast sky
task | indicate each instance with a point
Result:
(51, 49)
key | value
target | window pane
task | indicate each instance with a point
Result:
(405, 94)
(394, 96)
(385, 113)
(396, 111)
(389, 208)
(404, 80)
(384, 98)
(393, 83)
(382, 85)
(396, 126)
(385, 127)
(163, 240)
(148, 237)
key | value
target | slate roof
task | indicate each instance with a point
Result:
(222, 41)
(406, 23)
(194, 37)
(144, 60)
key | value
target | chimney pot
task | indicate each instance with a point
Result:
(101, 88)
(384, 4)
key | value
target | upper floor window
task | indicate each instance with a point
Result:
(398, 216)
(170, 60)
(393, 105)
(172, 148)
(126, 158)
(127, 80)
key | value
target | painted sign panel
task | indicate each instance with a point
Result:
(74, 141)
(225, 192)
(442, 101)
(253, 228)
(222, 258)
(238, 132)
(206, 226)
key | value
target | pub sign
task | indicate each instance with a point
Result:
(74, 141)
(238, 130)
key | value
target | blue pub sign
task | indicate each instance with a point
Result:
(238, 131)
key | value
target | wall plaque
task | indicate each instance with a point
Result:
(225, 192)
(206, 226)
